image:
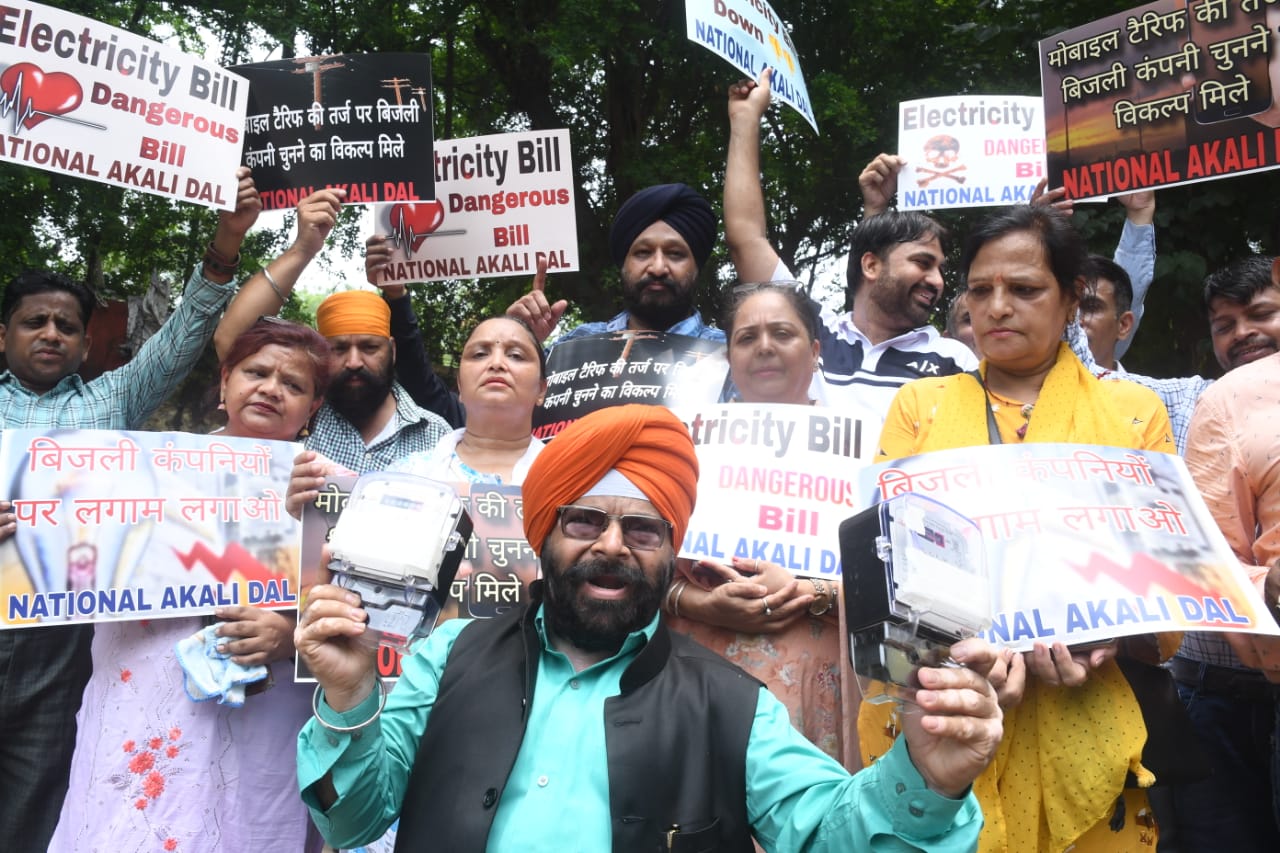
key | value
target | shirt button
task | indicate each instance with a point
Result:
(542, 781)
(490, 797)
(333, 740)
(900, 788)
(574, 684)
(916, 809)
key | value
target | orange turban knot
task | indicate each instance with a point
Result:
(354, 312)
(646, 444)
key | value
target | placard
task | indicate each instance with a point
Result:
(749, 34)
(119, 525)
(1168, 93)
(611, 369)
(1086, 543)
(81, 98)
(775, 482)
(357, 121)
(969, 151)
(503, 204)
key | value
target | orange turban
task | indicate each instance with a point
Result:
(646, 444)
(354, 312)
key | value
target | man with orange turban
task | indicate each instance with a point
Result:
(368, 420)
(579, 722)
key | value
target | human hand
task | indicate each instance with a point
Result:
(1139, 207)
(307, 478)
(764, 602)
(749, 99)
(1055, 198)
(955, 723)
(317, 216)
(534, 309)
(1060, 665)
(1008, 675)
(330, 640)
(255, 636)
(8, 520)
(236, 223)
(879, 183)
(377, 258)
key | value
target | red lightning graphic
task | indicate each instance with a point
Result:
(1141, 576)
(233, 559)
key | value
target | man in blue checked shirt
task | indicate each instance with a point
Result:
(43, 322)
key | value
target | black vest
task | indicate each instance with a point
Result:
(676, 738)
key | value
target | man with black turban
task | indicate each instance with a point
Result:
(579, 722)
(661, 238)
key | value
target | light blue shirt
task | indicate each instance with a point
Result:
(557, 795)
(692, 326)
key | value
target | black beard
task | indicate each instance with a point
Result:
(590, 624)
(661, 312)
(359, 403)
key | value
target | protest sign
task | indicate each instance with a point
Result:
(494, 575)
(503, 204)
(1168, 93)
(611, 369)
(81, 98)
(116, 525)
(776, 481)
(1085, 543)
(969, 151)
(357, 121)
(750, 35)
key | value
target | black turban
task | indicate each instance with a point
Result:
(679, 206)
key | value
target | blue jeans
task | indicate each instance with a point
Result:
(1234, 809)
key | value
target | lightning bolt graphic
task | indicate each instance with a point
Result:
(234, 559)
(1143, 574)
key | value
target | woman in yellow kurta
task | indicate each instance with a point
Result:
(1060, 774)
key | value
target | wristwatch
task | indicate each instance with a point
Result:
(823, 599)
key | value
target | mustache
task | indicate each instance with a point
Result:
(1249, 343)
(356, 373)
(664, 280)
(588, 570)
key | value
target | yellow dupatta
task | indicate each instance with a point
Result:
(1066, 751)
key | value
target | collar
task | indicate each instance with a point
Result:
(844, 328)
(689, 326)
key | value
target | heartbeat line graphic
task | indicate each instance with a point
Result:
(234, 559)
(13, 103)
(1141, 576)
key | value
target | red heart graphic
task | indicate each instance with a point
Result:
(38, 95)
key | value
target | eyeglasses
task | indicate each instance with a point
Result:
(639, 532)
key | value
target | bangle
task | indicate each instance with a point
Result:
(219, 262)
(675, 605)
(266, 273)
(315, 710)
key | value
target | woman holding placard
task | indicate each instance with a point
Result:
(782, 629)
(1058, 781)
(160, 766)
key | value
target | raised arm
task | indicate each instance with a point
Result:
(413, 363)
(744, 217)
(164, 361)
(1136, 254)
(534, 308)
(266, 291)
(879, 182)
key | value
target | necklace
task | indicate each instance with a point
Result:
(1027, 409)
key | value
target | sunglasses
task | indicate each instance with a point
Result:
(639, 532)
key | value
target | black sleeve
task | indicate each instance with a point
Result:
(413, 366)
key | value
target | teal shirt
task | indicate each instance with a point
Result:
(557, 796)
